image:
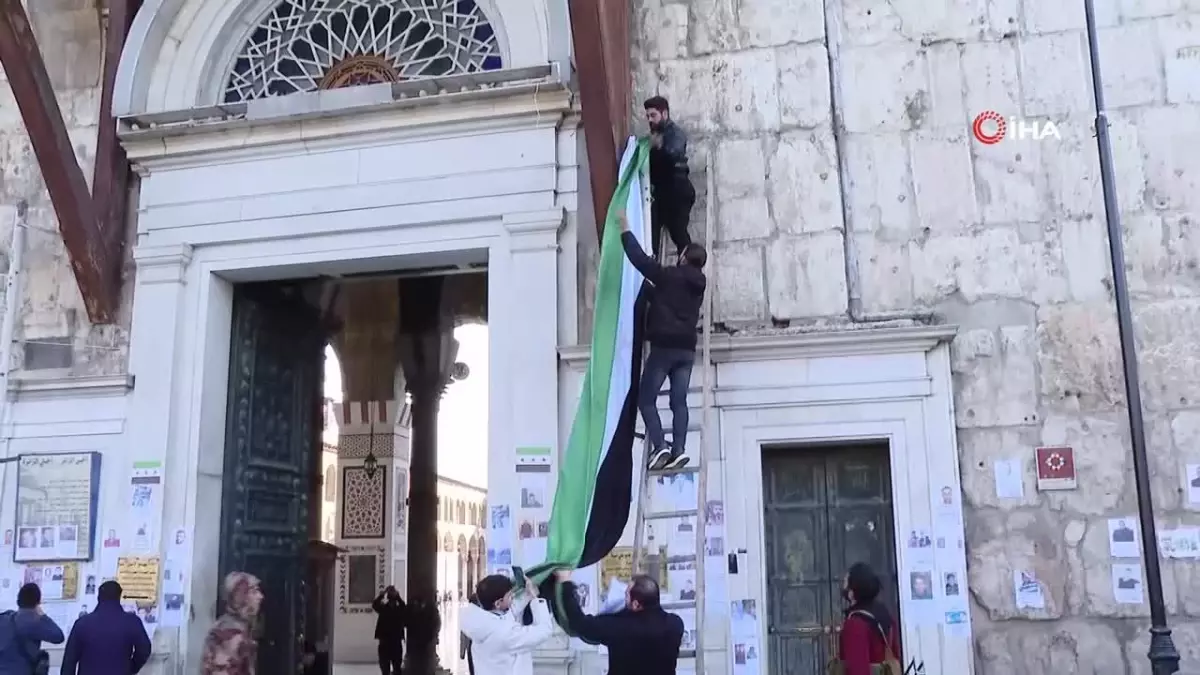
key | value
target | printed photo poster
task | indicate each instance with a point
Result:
(681, 579)
(1123, 537)
(920, 548)
(688, 643)
(145, 506)
(58, 581)
(501, 524)
(744, 627)
(674, 492)
(1180, 543)
(1127, 584)
(1028, 590)
(922, 596)
(500, 561)
(56, 507)
(1010, 478)
(715, 564)
(585, 592)
(1191, 484)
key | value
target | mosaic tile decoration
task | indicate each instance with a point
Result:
(343, 563)
(357, 446)
(364, 502)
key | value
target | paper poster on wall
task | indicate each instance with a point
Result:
(616, 566)
(1028, 590)
(59, 581)
(501, 524)
(1181, 543)
(920, 548)
(1127, 584)
(64, 614)
(585, 590)
(56, 506)
(955, 611)
(688, 616)
(1010, 479)
(743, 623)
(139, 578)
(681, 537)
(1123, 538)
(1191, 483)
(922, 603)
(145, 506)
(681, 579)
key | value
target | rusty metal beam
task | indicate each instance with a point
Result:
(86, 248)
(111, 173)
(598, 128)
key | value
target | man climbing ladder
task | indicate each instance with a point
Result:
(671, 320)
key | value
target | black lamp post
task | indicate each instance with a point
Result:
(1164, 657)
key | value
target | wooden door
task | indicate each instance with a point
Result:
(825, 509)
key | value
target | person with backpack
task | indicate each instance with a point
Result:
(109, 640)
(22, 633)
(869, 643)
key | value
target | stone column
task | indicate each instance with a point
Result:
(160, 298)
(427, 350)
(364, 523)
(366, 343)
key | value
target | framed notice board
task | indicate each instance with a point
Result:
(57, 496)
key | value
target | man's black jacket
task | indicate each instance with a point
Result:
(668, 162)
(639, 643)
(393, 619)
(678, 294)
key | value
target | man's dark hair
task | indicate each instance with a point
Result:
(645, 590)
(695, 255)
(109, 590)
(491, 589)
(657, 103)
(29, 596)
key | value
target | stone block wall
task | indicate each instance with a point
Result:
(1007, 241)
(53, 335)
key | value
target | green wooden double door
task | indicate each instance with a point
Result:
(825, 509)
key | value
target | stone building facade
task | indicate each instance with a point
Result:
(851, 203)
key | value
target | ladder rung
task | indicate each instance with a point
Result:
(663, 515)
(682, 604)
(671, 472)
(691, 427)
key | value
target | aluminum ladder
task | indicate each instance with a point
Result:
(700, 452)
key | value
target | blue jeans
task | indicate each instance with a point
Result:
(662, 363)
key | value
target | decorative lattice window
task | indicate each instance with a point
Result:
(306, 45)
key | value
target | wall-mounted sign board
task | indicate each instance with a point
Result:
(56, 506)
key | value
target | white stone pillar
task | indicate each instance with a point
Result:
(523, 307)
(365, 520)
(153, 434)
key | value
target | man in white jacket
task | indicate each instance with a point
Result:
(500, 645)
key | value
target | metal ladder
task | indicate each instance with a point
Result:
(700, 469)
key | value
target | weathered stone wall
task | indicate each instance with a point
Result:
(1007, 241)
(54, 334)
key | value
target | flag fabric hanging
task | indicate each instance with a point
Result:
(595, 478)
